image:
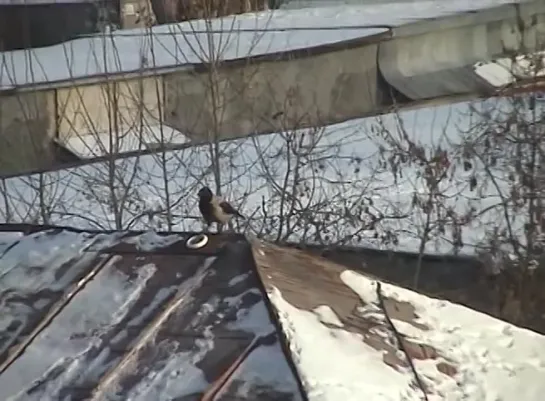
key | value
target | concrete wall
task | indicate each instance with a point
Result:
(321, 89)
(26, 128)
(30, 121)
(105, 107)
(333, 83)
(431, 59)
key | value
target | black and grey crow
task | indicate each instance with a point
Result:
(214, 209)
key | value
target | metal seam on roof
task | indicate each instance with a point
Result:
(20, 348)
(274, 317)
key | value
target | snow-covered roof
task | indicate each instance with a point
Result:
(345, 348)
(239, 36)
(139, 316)
(135, 316)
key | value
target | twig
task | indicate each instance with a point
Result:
(400, 341)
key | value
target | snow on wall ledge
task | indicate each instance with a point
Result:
(491, 359)
(185, 44)
(177, 45)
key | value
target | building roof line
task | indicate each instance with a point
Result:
(273, 315)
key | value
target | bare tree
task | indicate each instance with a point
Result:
(423, 165)
(504, 153)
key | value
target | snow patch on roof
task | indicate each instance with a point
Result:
(41, 249)
(179, 45)
(327, 315)
(505, 71)
(335, 364)
(254, 319)
(55, 356)
(150, 241)
(495, 359)
(8, 239)
(178, 377)
(492, 360)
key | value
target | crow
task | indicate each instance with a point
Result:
(214, 209)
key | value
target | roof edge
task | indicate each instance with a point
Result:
(275, 319)
(325, 249)
(28, 228)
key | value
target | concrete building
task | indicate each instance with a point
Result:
(437, 54)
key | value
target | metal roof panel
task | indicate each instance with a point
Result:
(136, 316)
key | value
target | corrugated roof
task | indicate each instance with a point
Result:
(135, 316)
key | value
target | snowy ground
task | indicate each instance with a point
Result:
(341, 174)
(182, 44)
(494, 360)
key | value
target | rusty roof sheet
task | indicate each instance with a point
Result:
(456, 352)
(139, 316)
(316, 281)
